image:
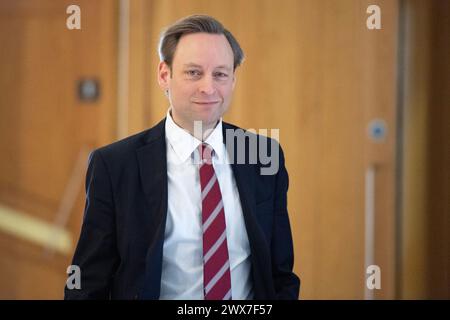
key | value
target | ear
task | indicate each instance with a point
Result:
(163, 75)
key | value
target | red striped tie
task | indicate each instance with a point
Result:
(216, 265)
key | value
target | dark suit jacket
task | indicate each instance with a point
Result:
(121, 243)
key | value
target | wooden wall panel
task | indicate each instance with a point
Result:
(312, 70)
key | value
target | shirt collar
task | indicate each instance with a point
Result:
(184, 144)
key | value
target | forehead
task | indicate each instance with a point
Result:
(203, 49)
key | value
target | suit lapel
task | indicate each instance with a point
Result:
(245, 176)
(153, 173)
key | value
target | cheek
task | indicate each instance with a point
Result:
(226, 90)
(182, 91)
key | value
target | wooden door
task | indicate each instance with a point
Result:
(46, 133)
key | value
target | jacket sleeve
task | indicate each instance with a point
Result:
(96, 253)
(287, 284)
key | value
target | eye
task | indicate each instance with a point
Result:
(193, 73)
(220, 75)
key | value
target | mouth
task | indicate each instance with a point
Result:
(206, 103)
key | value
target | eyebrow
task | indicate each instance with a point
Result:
(200, 67)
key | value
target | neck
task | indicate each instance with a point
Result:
(198, 129)
(202, 131)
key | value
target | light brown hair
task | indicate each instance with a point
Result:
(195, 24)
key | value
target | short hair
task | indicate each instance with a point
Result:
(195, 24)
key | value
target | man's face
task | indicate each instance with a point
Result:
(202, 80)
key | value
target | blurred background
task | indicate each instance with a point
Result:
(363, 114)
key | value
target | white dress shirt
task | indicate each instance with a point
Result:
(182, 265)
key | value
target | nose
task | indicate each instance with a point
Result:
(207, 86)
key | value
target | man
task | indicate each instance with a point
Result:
(170, 213)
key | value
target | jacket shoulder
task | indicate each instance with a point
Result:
(236, 132)
(126, 146)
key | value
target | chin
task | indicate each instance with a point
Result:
(207, 121)
(208, 118)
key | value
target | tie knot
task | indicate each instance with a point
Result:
(206, 152)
